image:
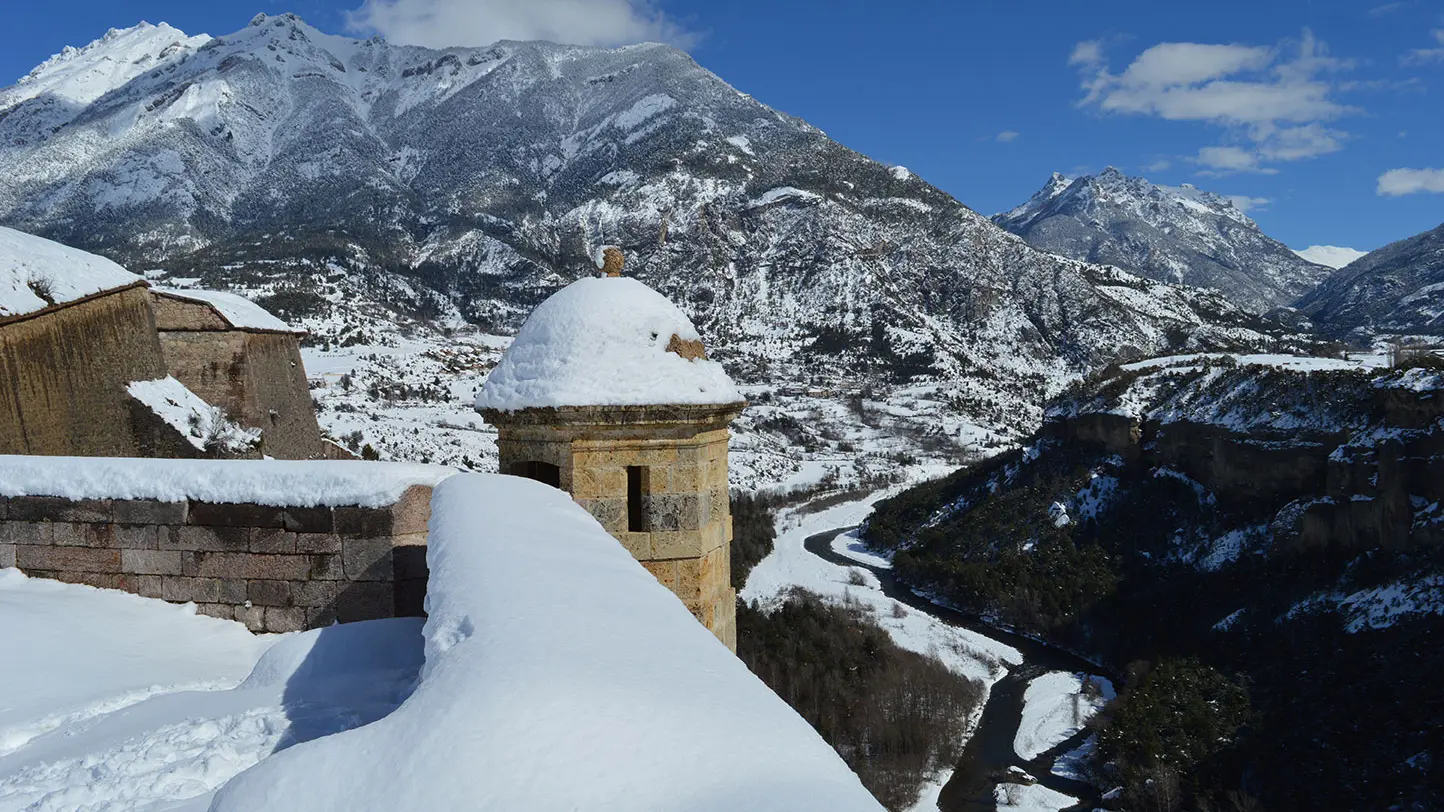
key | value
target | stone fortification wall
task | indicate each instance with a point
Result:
(63, 373)
(256, 376)
(276, 569)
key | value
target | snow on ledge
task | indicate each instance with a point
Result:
(196, 420)
(559, 674)
(36, 273)
(242, 313)
(280, 483)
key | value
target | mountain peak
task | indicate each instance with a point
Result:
(1177, 234)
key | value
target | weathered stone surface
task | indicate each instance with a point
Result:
(364, 522)
(56, 509)
(199, 590)
(269, 593)
(367, 559)
(318, 543)
(280, 620)
(252, 566)
(206, 539)
(308, 520)
(137, 537)
(146, 511)
(67, 559)
(241, 514)
(220, 610)
(148, 586)
(327, 567)
(313, 594)
(272, 540)
(412, 511)
(231, 590)
(4, 507)
(365, 600)
(151, 562)
(253, 616)
(319, 617)
(32, 533)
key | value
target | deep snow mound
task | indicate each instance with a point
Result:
(559, 675)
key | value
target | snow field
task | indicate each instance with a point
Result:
(1055, 708)
(1030, 798)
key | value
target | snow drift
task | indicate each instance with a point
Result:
(559, 675)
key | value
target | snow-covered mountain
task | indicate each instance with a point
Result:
(1395, 289)
(1330, 256)
(405, 203)
(1171, 233)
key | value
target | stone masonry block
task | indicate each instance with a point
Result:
(4, 507)
(31, 533)
(610, 513)
(272, 540)
(99, 580)
(412, 511)
(252, 566)
(56, 509)
(137, 537)
(68, 559)
(253, 616)
(365, 601)
(148, 586)
(363, 522)
(145, 511)
(206, 539)
(220, 610)
(313, 594)
(408, 561)
(232, 590)
(673, 511)
(151, 562)
(280, 620)
(308, 520)
(319, 617)
(318, 543)
(367, 559)
(197, 590)
(638, 544)
(240, 514)
(677, 544)
(269, 593)
(7, 555)
(327, 567)
(664, 571)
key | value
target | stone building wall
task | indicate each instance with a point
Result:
(257, 377)
(276, 569)
(63, 373)
(683, 530)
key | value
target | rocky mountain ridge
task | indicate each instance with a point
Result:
(1178, 234)
(1397, 289)
(406, 204)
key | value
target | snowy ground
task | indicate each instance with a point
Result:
(1055, 708)
(1030, 798)
(128, 703)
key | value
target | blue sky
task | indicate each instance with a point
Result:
(1326, 117)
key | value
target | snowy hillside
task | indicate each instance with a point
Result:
(1173, 233)
(1396, 289)
(409, 207)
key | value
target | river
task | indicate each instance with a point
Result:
(989, 753)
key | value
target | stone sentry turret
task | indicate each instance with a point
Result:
(607, 394)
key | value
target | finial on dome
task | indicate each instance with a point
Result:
(612, 261)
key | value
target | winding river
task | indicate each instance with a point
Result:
(989, 753)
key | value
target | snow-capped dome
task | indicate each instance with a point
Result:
(36, 273)
(605, 342)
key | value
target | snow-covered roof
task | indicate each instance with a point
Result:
(240, 312)
(196, 420)
(559, 674)
(281, 483)
(603, 342)
(36, 273)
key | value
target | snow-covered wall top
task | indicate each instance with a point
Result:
(36, 273)
(559, 675)
(603, 342)
(241, 312)
(281, 483)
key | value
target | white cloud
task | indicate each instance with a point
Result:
(1005, 136)
(442, 23)
(1274, 101)
(1244, 203)
(1158, 166)
(1384, 10)
(1397, 182)
(1420, 56)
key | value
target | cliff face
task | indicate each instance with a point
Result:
(1271, 516)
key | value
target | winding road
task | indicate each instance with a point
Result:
(989, 753)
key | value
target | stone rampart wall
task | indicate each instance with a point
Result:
(276, 569)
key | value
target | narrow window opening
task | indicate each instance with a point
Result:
(637, 476)
(543, 472)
